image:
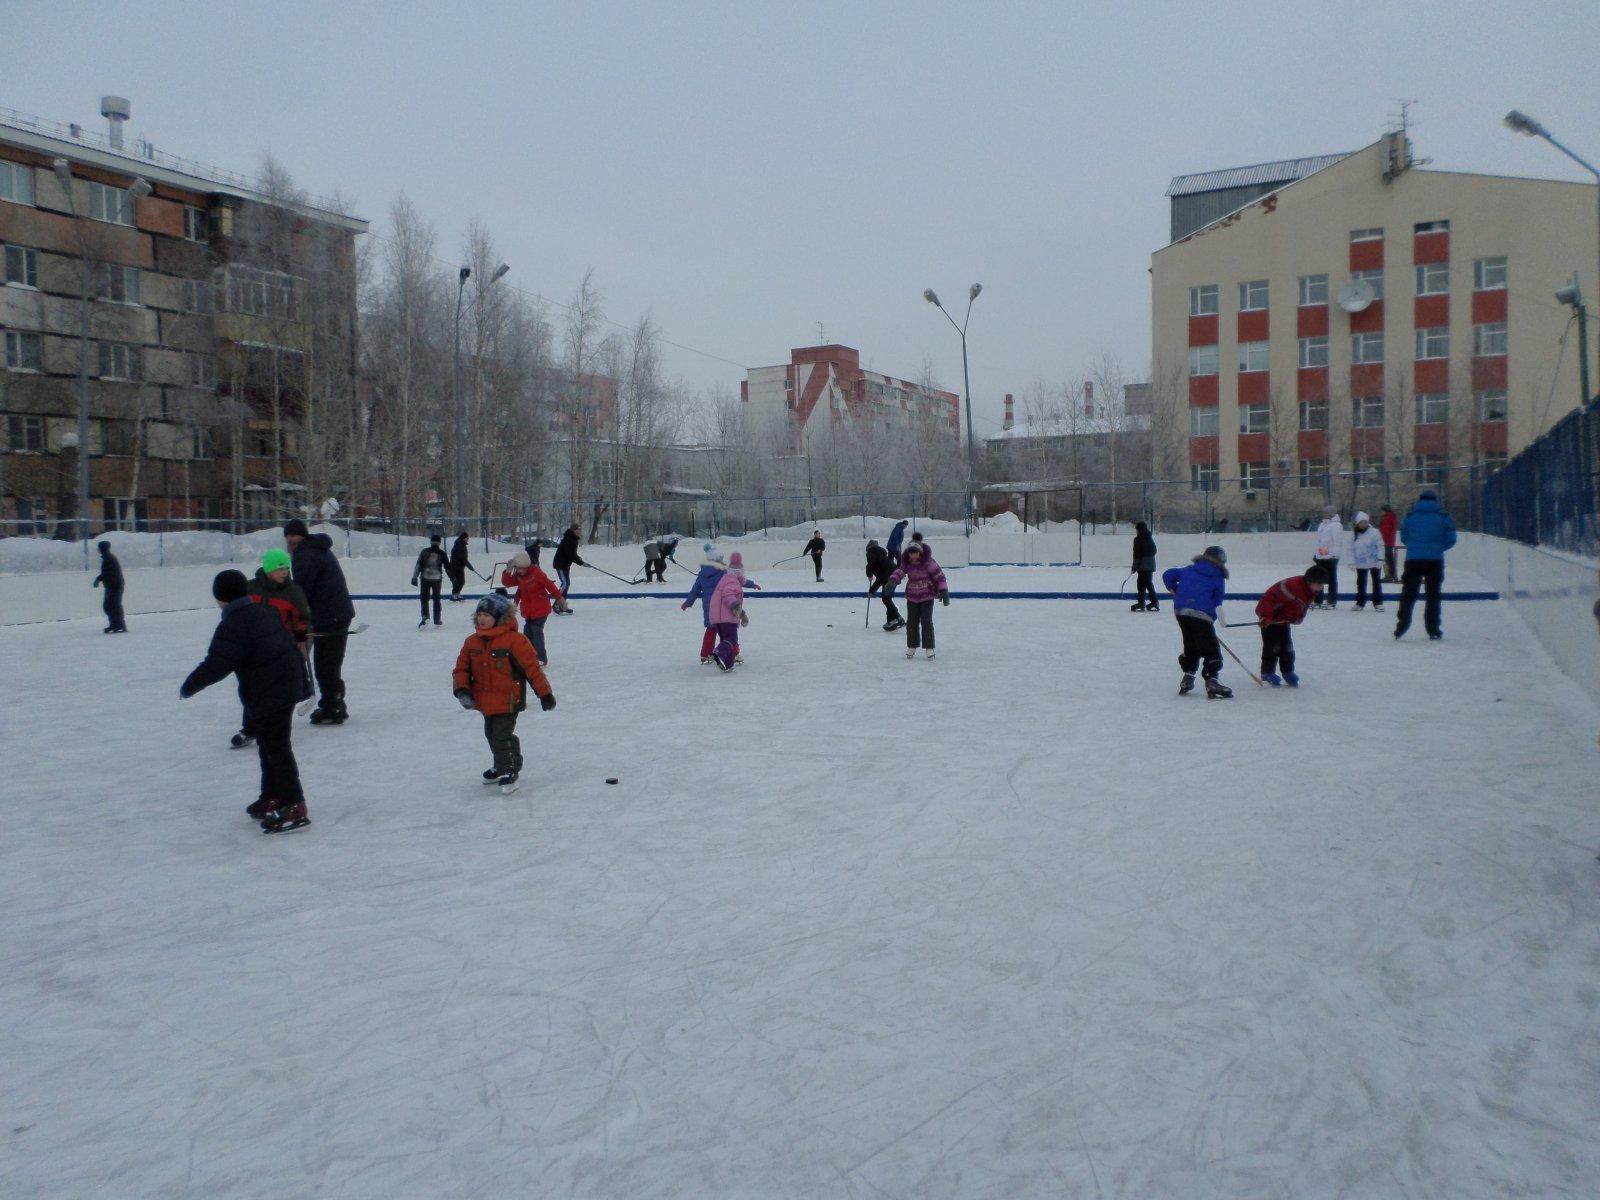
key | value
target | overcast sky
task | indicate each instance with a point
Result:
(743, 171)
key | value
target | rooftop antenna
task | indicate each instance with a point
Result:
(822, 338)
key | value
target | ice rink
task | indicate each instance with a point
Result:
(1016, 922)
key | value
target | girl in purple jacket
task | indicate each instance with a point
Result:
(925, 582)
(726, 612)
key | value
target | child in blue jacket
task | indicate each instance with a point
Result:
(1197, 590)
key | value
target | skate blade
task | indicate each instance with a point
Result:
(287, 827)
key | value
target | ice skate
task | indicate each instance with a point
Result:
(260, 810)
(1136, 608)
(1217, 690)
(422, 624)
(1271, 680)
(912, 652)
(1186, 684)
(492, 775)
(241, 740)
(930, 653)
(1290, 678)
(286, 819)
(508, 782)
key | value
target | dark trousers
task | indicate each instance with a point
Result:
(431, 587)
(890, 610)
(1277, 650)
(919, 624)
(655, 568)
(458, 580)
(501, 730)
(1330, 594)
(1389, 575)
(1361, 586)
(1147, 590)
(816, 561)
(727, 642)
(533, 630)
(1200, 647)
(280, 774)
(1428, 572)
(327, 662)
(564, 578)
(111, 604)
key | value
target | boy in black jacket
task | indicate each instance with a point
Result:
(319, 575)
(251, 642)
(432, 566)
(815, 547)
(879, 567)
(110, 578)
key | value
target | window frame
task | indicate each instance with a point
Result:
(1429, 468)
(194, 216)
(28, 256)
(1366, 235)
(1205, 477)
(1247, 295)
(203, 371)
(1482, 335)
(1482, 397)
(1428, 337)
(1361, 409)
(1199, 293)
(1195, 413)
(17, 173)
(99, 196)
(1248, 413)
(1255, 475)
(1313, 472)
(12, 343)
(1308, 408)
(110, 279)
(1307, 344)
(125, 350)
(1252, 352)
(1426, 279)
(1216, 361)
(1372, 275)
(1480, 272)
(1360, 354)
(1309, 283)
(1431, 402)
(26, 422)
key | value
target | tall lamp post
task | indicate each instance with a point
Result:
(966, 383)
(1522, 123)
(460, 439)
(138, 189)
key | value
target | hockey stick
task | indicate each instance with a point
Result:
(1242, 625)
(351, 632)
(1122, 588)
(866, 621)
(618, 578)
(1237, 659)
(791, 558)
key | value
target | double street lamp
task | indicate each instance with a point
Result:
(966, 383)
(138, 189)
(460, 439)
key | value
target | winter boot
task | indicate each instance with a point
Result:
(286, 819)
(1217, 690)
(1291, 679)
(241, 740)
(1186, 685)
(1272, 680)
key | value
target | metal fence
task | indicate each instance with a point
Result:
(1549, 495)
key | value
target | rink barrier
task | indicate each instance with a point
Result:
(768, 594)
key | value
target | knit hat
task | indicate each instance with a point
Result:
(736, 561)
(1363, 519)
(1328, 510)
(229, 585)
(520, 561)
(1317, 573)
(104, 546)
(915, 548)
(495, 606)
(1216, 554)
(872, 544)
(295, 527)
(713, 555)
(435, 539)
(274, 560)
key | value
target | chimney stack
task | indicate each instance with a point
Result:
(116, 110)
(1010, 413)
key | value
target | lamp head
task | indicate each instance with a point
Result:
(1571, 295)
(1521, 122)
(63, 172)
(465, 274)
(140, 188)
(927, 294)
(499, 272)
(972, 293)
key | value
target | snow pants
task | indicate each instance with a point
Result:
(533, 630)
(1277, 650)
(919, 624)
(1200, 647)
(1418, 573)
(501, 731)
(727, 642)
(655, 568)
(431, 588)
(1330, 594)
(1361, 586)
(111, 604)
(327, 662)
(280, 774)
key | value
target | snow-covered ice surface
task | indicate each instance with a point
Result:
(1015, 922)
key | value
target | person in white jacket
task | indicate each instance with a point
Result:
(1329, 545)
(1366, 556)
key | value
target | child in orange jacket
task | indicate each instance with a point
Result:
(492, 674)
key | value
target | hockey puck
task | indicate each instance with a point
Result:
(611, 781)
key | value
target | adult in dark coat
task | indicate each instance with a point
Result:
(319, 575)
(1144, 566)
(879, 567)
(251, 642)
(110, 578)
(1427, 533)
(815, 547)
(460, 564)
(566, 555)
(433, 564)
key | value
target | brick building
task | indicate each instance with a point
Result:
(1356, 324)
(218, 317)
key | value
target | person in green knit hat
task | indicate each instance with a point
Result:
(272, 586)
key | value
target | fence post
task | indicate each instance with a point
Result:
(713, 532)
(161, 547)
(863, 514)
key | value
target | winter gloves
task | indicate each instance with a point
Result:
(547, 702)
(744, 619)
(945, 599)
(465, 698)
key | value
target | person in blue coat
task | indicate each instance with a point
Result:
(1427, 532)
(1197, 590)
(705, 582)
(897, 536)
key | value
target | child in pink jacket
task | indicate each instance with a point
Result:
(925, 583)
(727, 612)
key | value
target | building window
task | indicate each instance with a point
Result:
(24, 351)
(1433, 279)
(1312, 472)
(118, 284)
(1313, 415)
(199, 442)
(1202, 360)
(1489, 274)
(110, 204)
(1491, 404)
(1203, 300)
(1253, 295)
(16, 182)
(1255, 418)
(1433, 342)
(1313, 289)
(1431, 227)
(1366, 347)
(25, 434)
(1314, 352)
(22, 266)
(1373, 277)
(1204, 421)
(1366, 412)
(258, 443)
(196, 296)
(1253, 356)
(1253, 476)
(196, 224)
(1366, 235)
(1433, 408)
(116, 438)
(1366, 470)
(1430, 469)
(1203, 477)
(1489, 341)
(257, 293)
(118, 360)
(202, 370)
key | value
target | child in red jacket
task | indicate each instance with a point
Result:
(536, 594)
(1283, 604)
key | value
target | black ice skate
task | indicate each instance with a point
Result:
(508, 782)
(1186, 685)
(286, 819)
(241, 740)
(260, 810)
(1217, 690)
(492, 775)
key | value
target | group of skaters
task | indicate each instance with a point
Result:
(1197, 590)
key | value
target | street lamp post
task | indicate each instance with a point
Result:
(139, 189)
(460, 438)
(966, 383)
(1522, 123)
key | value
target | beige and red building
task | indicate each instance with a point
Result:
(1356, 322)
